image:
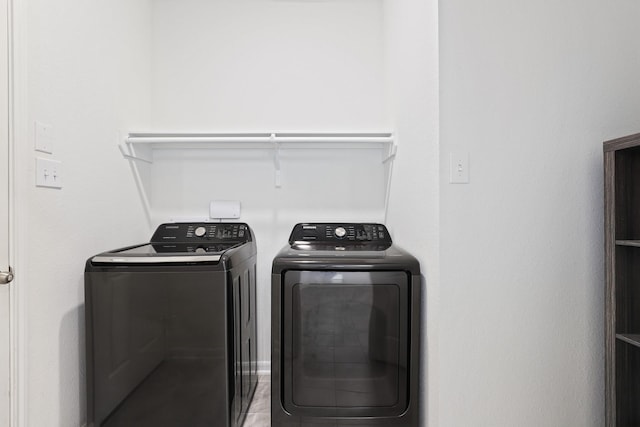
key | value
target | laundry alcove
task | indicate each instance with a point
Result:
(223, 76)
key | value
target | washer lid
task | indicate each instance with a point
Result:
(154, 253)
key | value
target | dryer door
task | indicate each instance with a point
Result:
(345, 343)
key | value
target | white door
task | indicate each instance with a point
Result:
(5, 169)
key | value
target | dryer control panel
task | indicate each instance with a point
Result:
(189, 232)
(342, 233)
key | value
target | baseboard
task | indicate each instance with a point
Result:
(264, 367)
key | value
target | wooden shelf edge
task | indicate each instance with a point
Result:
(629, 141)
(633, 339)
(634, 243)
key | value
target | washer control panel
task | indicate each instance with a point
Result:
(340, 233)
(208, 231)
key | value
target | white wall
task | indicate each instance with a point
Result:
(530, 90)
(87, 76)
(268, 65)
(411, 38)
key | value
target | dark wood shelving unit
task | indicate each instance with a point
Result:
(622, 277)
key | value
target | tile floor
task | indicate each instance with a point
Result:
(260, 410)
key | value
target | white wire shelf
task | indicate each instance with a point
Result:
(181, 140)
(259, 140)
(275, 141)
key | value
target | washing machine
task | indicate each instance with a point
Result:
(345, 330)
(171, 329)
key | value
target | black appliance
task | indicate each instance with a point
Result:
(345, 329)
(171, 329)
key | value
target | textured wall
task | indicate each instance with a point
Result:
(530, 90)
(268, 65)
(88, 73)
(412, 86)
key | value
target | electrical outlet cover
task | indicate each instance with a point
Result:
(43, 138)
(224, 209)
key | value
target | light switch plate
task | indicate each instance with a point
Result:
(459, 168)
(48, 173)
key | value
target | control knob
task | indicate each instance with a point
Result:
(340, 232)
(200, 231)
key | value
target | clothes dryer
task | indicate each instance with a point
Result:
(345, 341)
(170, 329)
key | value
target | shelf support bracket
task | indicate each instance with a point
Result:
(276, 160)
(388, 165)
(128, 156)
(393, 149)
